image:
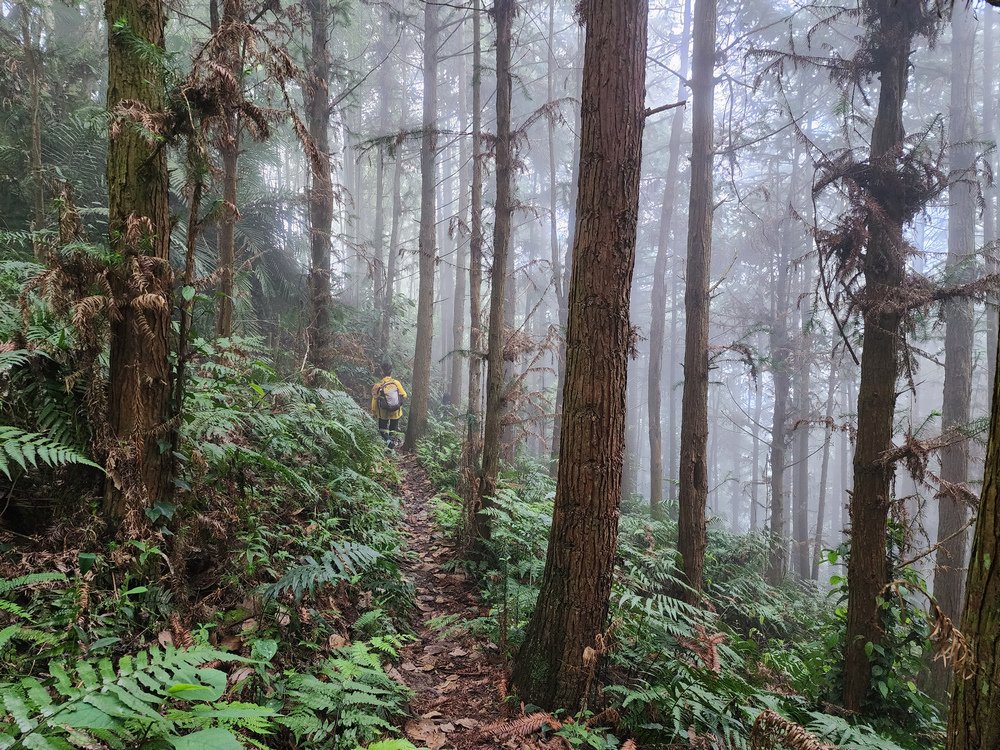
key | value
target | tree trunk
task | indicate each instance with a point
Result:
(474, 440)
(989, 135)
(318, 334)
(884, 272)
(417, 422)
(778, 344)
(672, 453)
(556, 250)
(139, 232)
(824, 470)
(496, 402)
(803, 407)
(393, 254)
(659, 294)
(556, 664)
(229, 149)
(34, 62)
(694, 405)
(959, 337)
(758, 407)
(378, 233)
(443, 345)
(973, 719)
(462, 242)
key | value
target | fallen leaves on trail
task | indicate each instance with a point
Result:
(451, 673)
(425, 732)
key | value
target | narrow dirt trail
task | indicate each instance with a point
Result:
(457, 679)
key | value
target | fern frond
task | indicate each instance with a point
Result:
(340, 563)
(91, 703)
(32, 449)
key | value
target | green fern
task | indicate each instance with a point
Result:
(31, 449)
(17, 630)
(347, 704)
(396, 744)
(91, 704)
(344, 561)
(16, 358)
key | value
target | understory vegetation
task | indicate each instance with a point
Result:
(259, 604)
(742, 670)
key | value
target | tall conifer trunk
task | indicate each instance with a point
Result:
(474, 441)
(417, 421)
(461, 255)
(777, 559)
(884, 272)
(959, 337)
(659, 294)
(496, 402)
(800, 450)
(694, 406)
(556, 664)
(824, 477)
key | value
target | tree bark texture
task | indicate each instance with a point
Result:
(563, 641)
(973, 719)
(693, 490)
(417, 422)
(139, 231)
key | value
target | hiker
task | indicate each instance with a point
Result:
(387, 405)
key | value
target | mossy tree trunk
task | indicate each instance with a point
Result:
(139, 233)
(229, 150)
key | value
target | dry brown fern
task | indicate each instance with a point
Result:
(772, 731)
(522, 727)
(182, 636)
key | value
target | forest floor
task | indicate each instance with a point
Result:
(458, 679)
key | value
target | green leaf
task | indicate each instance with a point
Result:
(187, 293)
(207, 739)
